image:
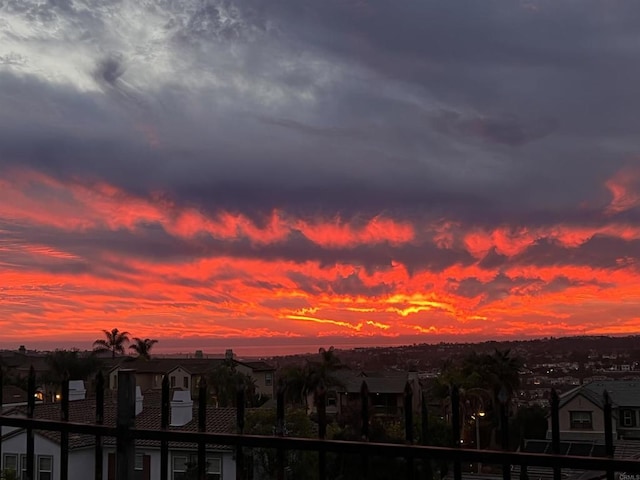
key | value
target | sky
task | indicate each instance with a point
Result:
(215, 173)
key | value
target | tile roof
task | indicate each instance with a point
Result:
(622, 393)
(219, 420)
(164, 365)
(258, 366)
(12, 394)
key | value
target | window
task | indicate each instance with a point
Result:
(180, 467)
(186, 465)
(45, 467)
(10, 462)
(185, 382)
(138, 467)
(268, 379)
(628, 418)
(23, 466)
(331, 399)
(581, 420)
(173, 381)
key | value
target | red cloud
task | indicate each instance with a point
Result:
(49, 290)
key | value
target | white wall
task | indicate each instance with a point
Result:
(81, 464)
(18, 445)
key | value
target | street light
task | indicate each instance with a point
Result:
(476, 417)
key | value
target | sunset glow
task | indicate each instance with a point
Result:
(221, 279)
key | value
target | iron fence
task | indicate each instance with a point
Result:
(414, 455)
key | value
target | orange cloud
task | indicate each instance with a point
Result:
(57, 277)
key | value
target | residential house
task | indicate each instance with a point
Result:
(185, 373)
(263, 375)
(184, 414)
(582, 416)
(386, 392)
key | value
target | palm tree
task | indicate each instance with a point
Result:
(322, 374)
(114, 342)
(294, 379)
(143, 347)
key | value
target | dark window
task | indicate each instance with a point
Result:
(173, 381)
(45, 467)
(10, 462)
(628, 418)
(581, 420)
(23, 466)
(268, 379)
(185, 382)
(185, 466)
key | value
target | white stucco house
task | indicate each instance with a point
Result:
(183, 416)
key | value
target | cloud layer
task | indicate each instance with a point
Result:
(366, 169)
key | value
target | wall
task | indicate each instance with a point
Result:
(180, 374)
(18, 445)
(261, 383)
(580, 403)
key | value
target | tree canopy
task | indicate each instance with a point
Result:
(114, 342)
(143, 347)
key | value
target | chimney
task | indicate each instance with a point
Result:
(199, 354)
(76, 390)
(139, 400)
(228, 354)
(181, 408)
(22, 350)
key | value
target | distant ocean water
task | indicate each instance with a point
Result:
(272, 350)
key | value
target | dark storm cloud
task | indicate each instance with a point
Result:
(502, 286)
(600, 251)
(509, 131)
(487, 112)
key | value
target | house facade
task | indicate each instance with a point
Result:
(182, 457)
(386, 393)
(581, 411)
(185, 373)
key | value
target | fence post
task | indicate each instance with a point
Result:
(424, 437)
(280, 430)
(64, 436)
(504, 399)
(524, 472)
(165, 406)
(364, 413)
(608, 431)
(98, 463)
(240, 401)
(1, 390)
(555, 430)
(408, 425)
(202, 427)
(31, 405)
(321, 402)
(125, 445)
(455, 426)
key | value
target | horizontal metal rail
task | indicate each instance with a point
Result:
(349, 447)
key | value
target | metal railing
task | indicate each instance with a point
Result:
(416, 457)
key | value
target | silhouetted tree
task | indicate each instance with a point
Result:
(114, 342)
(225, 380)
(70, 362)
(143, 347)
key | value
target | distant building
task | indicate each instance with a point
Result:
(386, 392)
(185, 373)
